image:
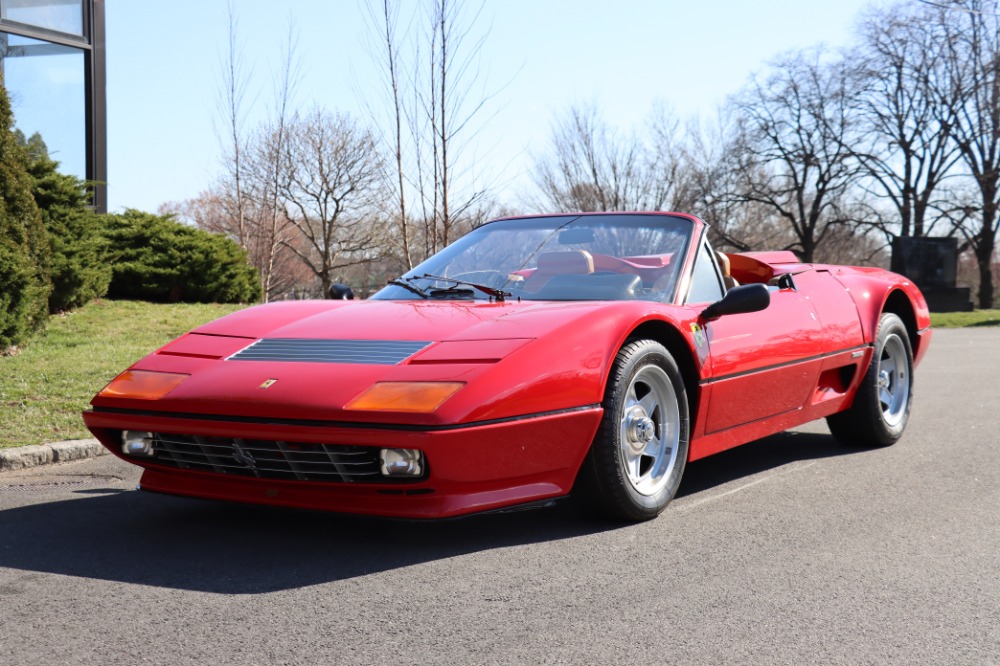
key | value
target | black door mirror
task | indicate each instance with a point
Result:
(341, 292)
(738, 300)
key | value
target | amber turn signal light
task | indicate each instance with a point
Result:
(142, 385)
(422, 397)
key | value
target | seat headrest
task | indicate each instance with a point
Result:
(724, 265)
(569, 261)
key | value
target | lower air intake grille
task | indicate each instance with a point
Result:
(268, 459)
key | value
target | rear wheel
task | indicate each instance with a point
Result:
(882, 404)
(636, 462)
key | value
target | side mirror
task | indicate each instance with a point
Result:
(738, 300)
(341, 292)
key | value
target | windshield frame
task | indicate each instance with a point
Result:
(670, 259)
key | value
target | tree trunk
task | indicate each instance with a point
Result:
(808, 248)
(984, 258)
(986, 243)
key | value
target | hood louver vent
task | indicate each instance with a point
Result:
(370, 352)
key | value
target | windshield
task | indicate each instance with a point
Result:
(571, 257)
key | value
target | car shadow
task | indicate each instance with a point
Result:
(758, 456)
(206, 546)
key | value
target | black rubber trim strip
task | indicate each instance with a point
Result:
(776, 366)
(311, 423)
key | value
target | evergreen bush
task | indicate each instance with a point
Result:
(155, 258)
(24, 246)
(80, 268)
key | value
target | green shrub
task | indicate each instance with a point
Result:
(80, 268)
(24, 246)
(157, 259)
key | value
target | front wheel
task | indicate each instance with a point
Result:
(636, 462)
(882, 403)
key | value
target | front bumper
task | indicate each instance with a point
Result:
(471, 468)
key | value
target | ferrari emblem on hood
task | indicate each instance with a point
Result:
(267, 383)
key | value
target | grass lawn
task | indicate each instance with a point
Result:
(964, 319)
(44, 388)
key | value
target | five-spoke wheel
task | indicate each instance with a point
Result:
(881, 405)
(648, 430)
(894, 379)
(635, 465)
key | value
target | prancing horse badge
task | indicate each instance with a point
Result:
(267, 384)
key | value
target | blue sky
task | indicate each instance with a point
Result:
(541, 56)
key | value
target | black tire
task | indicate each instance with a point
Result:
(881, 406)
(635, 464)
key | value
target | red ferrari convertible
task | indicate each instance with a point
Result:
(536, 356)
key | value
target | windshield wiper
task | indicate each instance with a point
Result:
(498, 294)
(409, 286)
(454, 292)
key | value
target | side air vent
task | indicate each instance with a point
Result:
(371, 352)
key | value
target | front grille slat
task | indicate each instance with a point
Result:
(373, 352)
(290, 459)
(196, 464)
(268, 459)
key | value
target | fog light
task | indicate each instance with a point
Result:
(138, 443)
(401, 462)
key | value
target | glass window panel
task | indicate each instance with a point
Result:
(46, 85)
(61, 15)
(706, 286)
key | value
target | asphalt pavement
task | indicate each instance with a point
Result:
(789, 550)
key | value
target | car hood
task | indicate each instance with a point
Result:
(310, 359)
(395, 320)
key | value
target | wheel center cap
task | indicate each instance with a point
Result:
(883, 379)
(641, 431)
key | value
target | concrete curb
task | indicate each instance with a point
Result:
(24, 457)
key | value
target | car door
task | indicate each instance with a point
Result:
(759, 362)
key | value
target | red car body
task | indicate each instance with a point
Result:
(533, 377)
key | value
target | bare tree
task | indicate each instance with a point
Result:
(437, 96)
(714, 191)
(973, 31)
(591, 166)
(671, 157)
(791, 152)
(449, 103)
(232, 107)
(328, 180)
(273, 225)
(383, 19)
(906, 114)
(245, 203)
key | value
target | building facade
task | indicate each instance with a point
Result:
(52, 59)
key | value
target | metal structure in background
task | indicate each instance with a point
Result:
(932, 263)
(53, 62)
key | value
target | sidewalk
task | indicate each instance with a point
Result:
(24, 457)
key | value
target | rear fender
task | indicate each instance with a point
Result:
(876, 291)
